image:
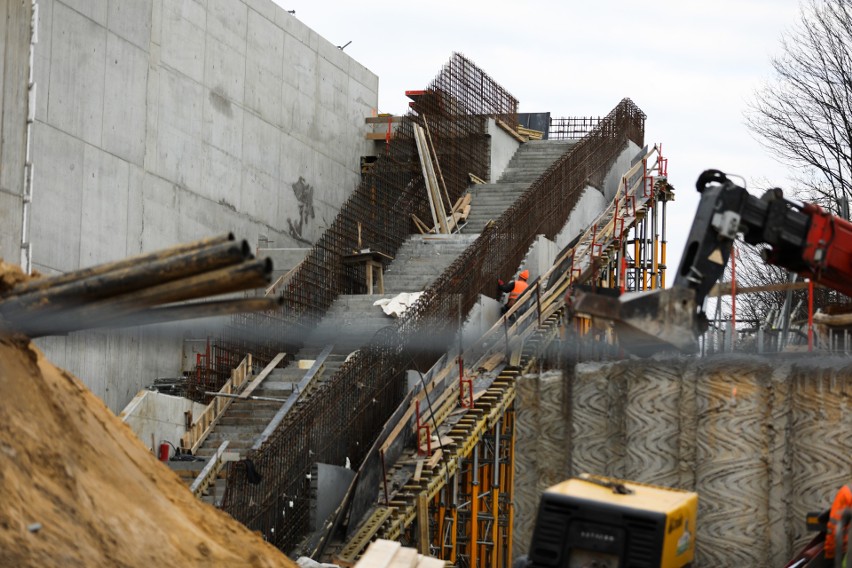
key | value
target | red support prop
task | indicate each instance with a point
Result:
(810, 315)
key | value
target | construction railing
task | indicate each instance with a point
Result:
(338, 421)
(571, 128)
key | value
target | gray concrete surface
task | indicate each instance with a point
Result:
(15, 20)
(503, 146)
(164, 121)
(762, 440)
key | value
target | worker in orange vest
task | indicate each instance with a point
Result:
(842, 502)
(515, 288)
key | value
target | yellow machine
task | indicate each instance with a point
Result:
(599, 522)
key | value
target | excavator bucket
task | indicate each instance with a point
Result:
(646, 322)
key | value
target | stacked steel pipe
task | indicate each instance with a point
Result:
(150, 288)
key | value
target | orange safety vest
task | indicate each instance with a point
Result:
(842, 501)
(520, 286)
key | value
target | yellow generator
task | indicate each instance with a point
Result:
(599, 522)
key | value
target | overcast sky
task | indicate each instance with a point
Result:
(691, 65)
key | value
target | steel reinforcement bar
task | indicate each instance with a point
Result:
(338, 421)
(377, 215)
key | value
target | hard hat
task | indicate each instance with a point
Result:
(524, 275)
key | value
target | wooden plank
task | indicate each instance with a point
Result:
(462, 202)
(418, 470)
(435, 459)
(492, 362)
(430, 562)
(382, 119)
(511, 131)
(440, 210)
(404, 558)
(213, 466)
(291, 400)
(421, 226)
(263, 374)
(379, 554)
(475, 179)
(377, 135)
(420, 151)
(433, 153)
(423, 523)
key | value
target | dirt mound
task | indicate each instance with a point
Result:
(79, 489)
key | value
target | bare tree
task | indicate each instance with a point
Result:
(804, 115)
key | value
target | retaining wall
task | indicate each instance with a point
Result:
(762, 440)
(164, 121)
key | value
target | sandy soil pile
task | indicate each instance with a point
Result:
(77, 488)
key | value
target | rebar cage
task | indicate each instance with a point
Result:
(338, 421)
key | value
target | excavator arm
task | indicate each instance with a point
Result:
(802, 238)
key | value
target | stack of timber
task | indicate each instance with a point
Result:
(146, 289)
(387, 553)
(442, 222)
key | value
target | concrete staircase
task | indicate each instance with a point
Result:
(352, 320)
(531, 160)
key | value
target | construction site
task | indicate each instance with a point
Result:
(248, 320)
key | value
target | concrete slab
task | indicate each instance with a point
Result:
(124, 117)
(258, 196)
(263, 92)
(92, 9)
(160, 213)
(224, 70)
(179, 157)
(10, 220)
(76, 96)
(261, 145)
(135, 225)
(183, 38)
(221, 177)
(56, 210)
(132, 20)
(265, 8)
(180, 102)
(104, 207)
(223, 124)
(227, 22)
(265, 43)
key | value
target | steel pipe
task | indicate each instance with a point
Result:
(44, 283)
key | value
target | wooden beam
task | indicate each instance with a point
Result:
(260, 377)
(383, 119)
(379, 554)
(377, 135)
(511, 131)
(423, 524)
(418, 470)
(404, 558)
(475, 179)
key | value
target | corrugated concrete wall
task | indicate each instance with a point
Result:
(164, 121)
(762, 440)
(15, 17)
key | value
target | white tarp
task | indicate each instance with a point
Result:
(397, 305)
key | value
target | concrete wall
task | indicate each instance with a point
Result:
(164, 121)
(159, 417)
(763, 441)
(502, 148)
(15, 17)
(623, 163)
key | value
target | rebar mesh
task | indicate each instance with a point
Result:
(339, 419)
